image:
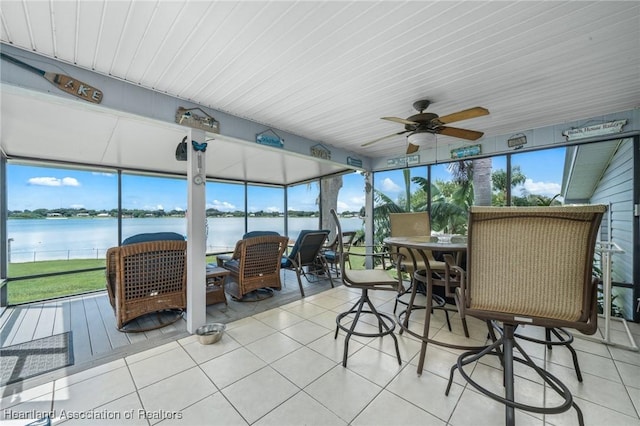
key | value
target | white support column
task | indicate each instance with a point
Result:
(196, 234)
(368, 219)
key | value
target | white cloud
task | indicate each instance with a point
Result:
(272, 209)
(178, 209)
(51, 181)
(159, 207)
(77, 206)
(389, 186)
(221, 205)
(548, 189)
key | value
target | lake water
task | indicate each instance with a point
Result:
(54, 239)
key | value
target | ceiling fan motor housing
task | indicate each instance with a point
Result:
(423, 122)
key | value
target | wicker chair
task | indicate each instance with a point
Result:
(147, 277)
(529, 265)
(365, 280)
(256, 267)
(306, 253)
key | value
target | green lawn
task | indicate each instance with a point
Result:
(34, 289)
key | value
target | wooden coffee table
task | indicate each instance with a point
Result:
(216, 277)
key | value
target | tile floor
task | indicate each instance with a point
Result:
(283, 367)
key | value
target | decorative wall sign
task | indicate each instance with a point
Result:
(270, 138)
(406, 160)
(517, 141)
(595, 130)
(63, 82)
(355, 162)
(207, 123)
(320, 151)
(466, 151)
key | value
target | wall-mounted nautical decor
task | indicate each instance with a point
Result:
(320, 151)
(355, 162)
(405, 160)
(69, 84)
(594, 130)
(186, 117)
(270, 138)
(199, 148)
(466, 151)
(517, 141)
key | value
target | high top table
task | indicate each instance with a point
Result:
(420, 245)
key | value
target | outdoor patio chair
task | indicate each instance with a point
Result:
(329, 250)
(365, 280)
(413, 224)
(221, 258)
(256, 269)
(532, 266)
(147, 274)
(306, 253)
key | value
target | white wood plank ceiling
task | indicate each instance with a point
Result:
(329, 70)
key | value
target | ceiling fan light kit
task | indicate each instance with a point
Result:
(421, 138)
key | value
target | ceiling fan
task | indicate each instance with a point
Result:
(424, 125)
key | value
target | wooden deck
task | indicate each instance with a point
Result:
(92, 321)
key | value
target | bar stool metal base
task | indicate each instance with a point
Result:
(565, 338)
(508, 343)
(386, 324)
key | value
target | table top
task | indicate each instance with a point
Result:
(214, 270)
(424, 243)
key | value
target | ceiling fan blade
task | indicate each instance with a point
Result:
(411, 148)
(455, 132)
(463, 115)
(399, 120)
(384, 137)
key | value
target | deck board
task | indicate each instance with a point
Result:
(81, 340)
(63, 316)
(44, 327)
(98, 337)
(116, 337)
(13, 325)
(28, 324)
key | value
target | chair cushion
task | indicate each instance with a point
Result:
(371, 278)
(153, 236)
(286, 260)
(330, 255)
(232, 265)
(252, 234)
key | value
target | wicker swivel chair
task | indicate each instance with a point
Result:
(146, 276)
(529, 265)
(306, 252)
(257, 266)
(365, 280)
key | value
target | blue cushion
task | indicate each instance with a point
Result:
(259, 234)
(286, 260)
(153, 236)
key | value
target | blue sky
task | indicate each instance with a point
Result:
(31, 188)
(543, 170)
